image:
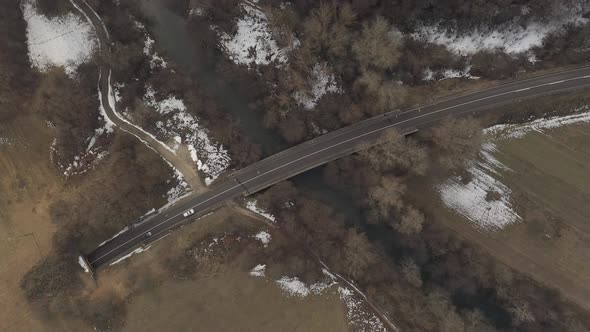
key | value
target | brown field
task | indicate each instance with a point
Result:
(28, 183)
(551, 190)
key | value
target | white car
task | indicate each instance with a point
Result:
(188, 213)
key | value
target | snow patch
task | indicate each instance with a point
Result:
(149, 49)
(178, 126)
(83, 264)
(322, 83)
(253, 206)
(263, 237)
(182, 187)
(258, 270)
(511, 38)
(6, 141)
(252, 42)
(475, 200)
(505, 131)
(358, 317)
(136, 251)
(485, 200)
(295, 287)
(114, 236)
(441, 75)
(65, 41)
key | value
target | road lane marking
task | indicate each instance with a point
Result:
(343, 142)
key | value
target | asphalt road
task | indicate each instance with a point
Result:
(331, 146)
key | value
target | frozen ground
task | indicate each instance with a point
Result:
(322, 82)
(512, 38)
(65, 41)
(485, 200)
(252, 43)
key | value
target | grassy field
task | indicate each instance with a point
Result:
(550, 186)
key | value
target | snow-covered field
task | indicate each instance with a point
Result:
(485, 200)
(511, 38)
(66, 41)
(253, 43)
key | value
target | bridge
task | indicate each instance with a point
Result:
(328, 147)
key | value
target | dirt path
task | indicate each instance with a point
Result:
(180, 161)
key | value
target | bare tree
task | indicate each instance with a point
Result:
(358, 253)
(459, 141)
(378, 45)
(384, 95)
(521, 312)
(396, 152)
(326, 29)
(411, 222)
(387, 195)
(411, 272)
(283, 22)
